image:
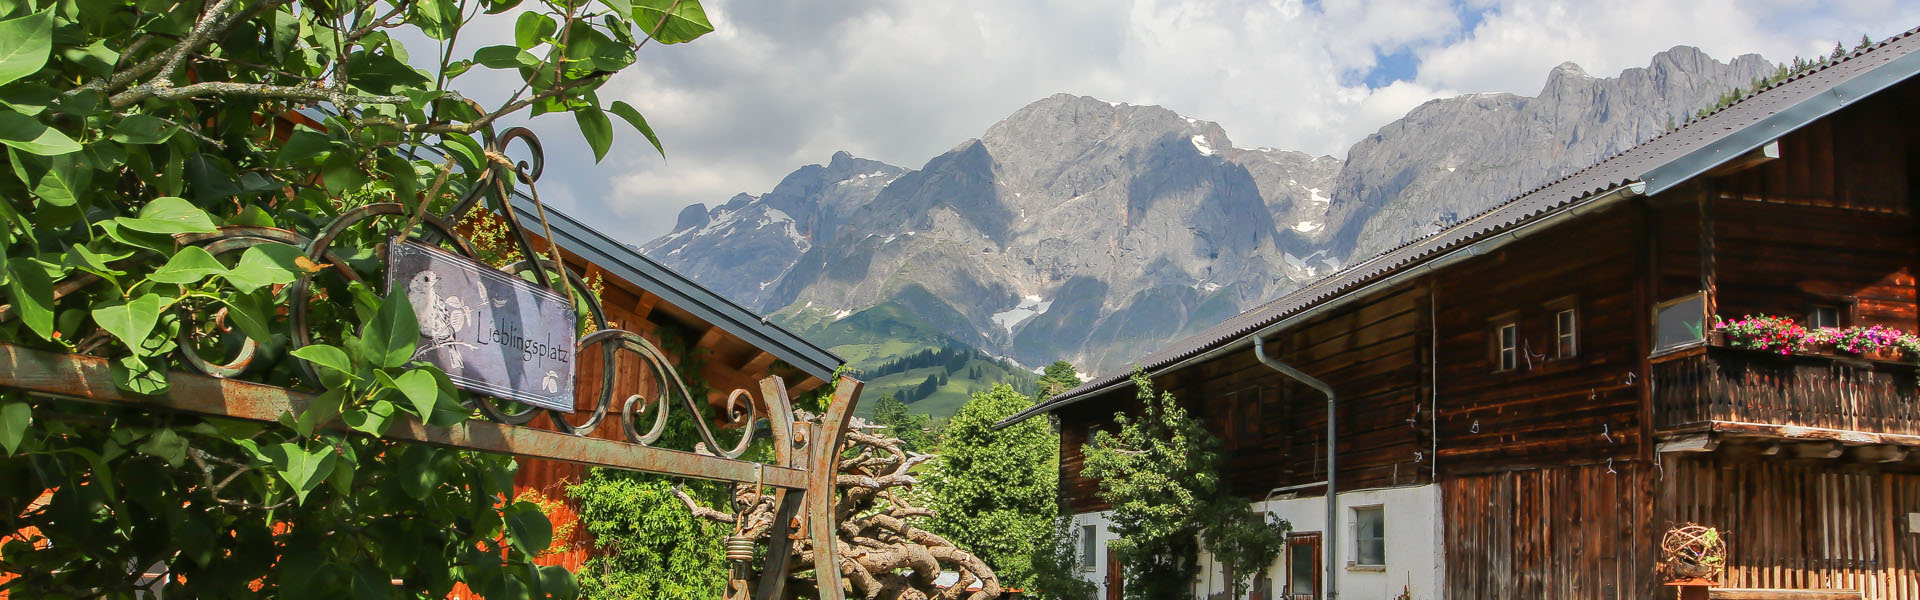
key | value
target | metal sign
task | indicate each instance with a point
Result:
(492, 332)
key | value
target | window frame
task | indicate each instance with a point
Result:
(1354, 562)
(1813, 315)
(1310, 540)
(1089, 544)
(1566, 333)
(1502, 352)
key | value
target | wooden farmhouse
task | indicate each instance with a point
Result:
(1526, 401)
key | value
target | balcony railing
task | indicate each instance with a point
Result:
(1718, 384)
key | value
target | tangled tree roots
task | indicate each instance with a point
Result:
(880, 552)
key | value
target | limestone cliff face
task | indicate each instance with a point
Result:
(1096, 231)
(1449, 159)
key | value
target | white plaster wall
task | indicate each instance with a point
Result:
(1413, 530)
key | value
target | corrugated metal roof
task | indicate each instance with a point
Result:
(1660, 163)
(628, 263)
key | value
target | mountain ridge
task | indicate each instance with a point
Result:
(1096, 231)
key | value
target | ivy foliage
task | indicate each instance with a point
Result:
(134, 128)
(1162, 472)
(993, 492)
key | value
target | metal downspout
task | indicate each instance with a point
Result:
(1329, 547)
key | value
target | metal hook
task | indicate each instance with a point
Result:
(1607, 432)
(1476, 426)
(1610, 466)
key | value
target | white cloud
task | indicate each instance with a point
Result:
(779, 85)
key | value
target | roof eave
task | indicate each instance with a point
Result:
(623, 261)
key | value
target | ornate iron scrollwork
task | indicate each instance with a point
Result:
(494, 185)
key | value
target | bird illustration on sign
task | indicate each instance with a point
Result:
(441, 316)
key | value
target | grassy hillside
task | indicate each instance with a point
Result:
(875, 341)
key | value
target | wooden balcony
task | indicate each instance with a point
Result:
(1714, 388)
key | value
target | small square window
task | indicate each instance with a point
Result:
(1507, 346)
(1369, 536)
(1087, 546)
(1824, 316)
(1566, 334)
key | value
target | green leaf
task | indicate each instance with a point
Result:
(131, 321)
(597, 129)
(265, 264)
(31, 294)
(324, 408)
(466, 150)
(626, 111)
(671, 21)
(531, 29)
(302, 145)
(529, 528)
(30, 135)
(341, 173)
(250, 312)
(29, 98)
(504, 57)
(25, 43)
(14, 415)
(326, 356)
(416, 471)
(302, 469)
(169, 215)
(64, 182)
(420, 389)
(393, 333)
(371, 420)
(132, 373)
(138, 239)
(143, 129)
(436, 18)
(190, 265)
(166, 445)
(83, 257)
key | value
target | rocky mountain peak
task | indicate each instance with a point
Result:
(1094, 231)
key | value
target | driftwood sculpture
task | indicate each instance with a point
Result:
(881, 553)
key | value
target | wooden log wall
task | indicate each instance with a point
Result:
(1829, 222)
(1802, 525)
(1376, 355)
(1549, 410)
(1573, 532)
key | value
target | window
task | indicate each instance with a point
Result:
(1087, 546)
(1303, 566)
(1823, 315)
(1506, 342)
(1369, 536)
(1566, 334)
(1680, 322)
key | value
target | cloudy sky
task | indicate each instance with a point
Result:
(781, 84)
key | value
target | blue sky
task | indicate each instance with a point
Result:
(783, 84)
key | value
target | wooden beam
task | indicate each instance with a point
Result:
(759, 363)
(709, 338)
(1881, 454)
(1819, 450)
(645, 306)
(1751, 159)
(1798, 433)
(806, 385)
(1699, 442)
